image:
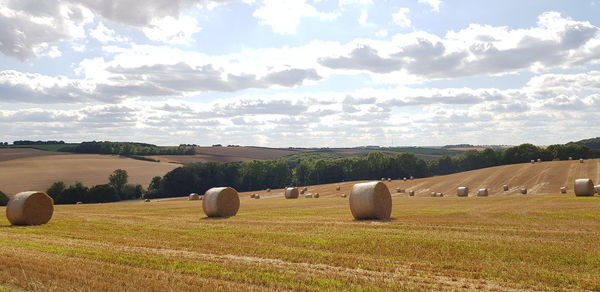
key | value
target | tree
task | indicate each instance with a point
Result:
(132, 192)
(118, 180)
(56, 190)
(102, 193)
(73, 194)
(3, 199)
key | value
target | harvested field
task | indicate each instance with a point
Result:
(31, 170)
(228, 154)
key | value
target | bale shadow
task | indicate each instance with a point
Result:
(215, 218)
(375, 220)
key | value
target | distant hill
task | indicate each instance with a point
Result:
(592, 143)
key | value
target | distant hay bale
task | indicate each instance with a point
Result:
(483, 192)
(404, 178)
(302, 192)
(79, 203)
(343, 195)
(580, 160)
(305, 189)
(30, 208)
(383, 179)
(291, 193)
(316, 196)
(505, 188)
(398, 190)
(570, 158)
(308, 196)
(411, 193)
(597, 188)
(462, 191)
(433, 194)
(221, 202)
(268, 190)
(412, 177)
(257, 196)
(539, 160)
(524, 191)
(193, 197)
(532, 161)
(389, 179)
(147, 200)
(337, 188)
(563, 190)
(370, 200)
(439, 194)
(252, 196)
(584, 187)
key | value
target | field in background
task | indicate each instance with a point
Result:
(24, 169)
(540, 241)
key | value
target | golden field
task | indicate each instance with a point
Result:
(540, 241)
(31, 169)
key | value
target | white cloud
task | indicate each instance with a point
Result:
(363, 18)
(400, 18)
(173, 30)
(284, 16)
(105, 35)
(434, 4)
(354, 2)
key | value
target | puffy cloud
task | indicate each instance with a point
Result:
(105, 35)
(401, 17)
(284, 16)
(556, 42)
(434, 4)
(172, 30)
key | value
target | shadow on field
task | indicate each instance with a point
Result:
(375, 220)
(215, 218)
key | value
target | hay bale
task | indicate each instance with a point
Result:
(302, 192)
(483, 192)
(524, 191)
(308, 196)
(221, 202)
(257, 196)
(79, 203)
(316, 196)
(252, 196)
(439, 194)
(383, 179)
(343, 195)
(268, 190)
(193, 197)
(584, 187)
(404, 178)
(30, 208)
(505, 188)
(563, 190)
(398, 190)
(570, 158)
(539, 160)
(337, 188)
(291, 193)
(147, 200)
(462, 191)
(433, 194)
(389, 179)
(370, 200)
(532, 161)
(580, 160)
(411, 193)
(412, 177)
(597, 188)
(305, 189)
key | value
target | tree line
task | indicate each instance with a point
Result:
(255, 175)
(127, 148)
(115, 190)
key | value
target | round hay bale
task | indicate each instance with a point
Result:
(305, 189)
(584, 187)
(505, 188)
(483, 192)
(412, 177)
(439, 194)
(337, 188)
(398, 190)
(539, 160)
(580, 160)
(257, 196)
(597, 188)
(389, 179)
(302, 192)
(383, 179)
(433, 194)
(252, 196)
(563, 190)
(308, 196)
(532, 161)
(79, 203)
(462, 191)
(570, 158)
(411, 193)
(524, 191)
(343, 195)
(404, 178)
(268, 190)
(291, 193)
(193, 197)
(30, 208)
(221, 202)
(316, 196)
(370, 200)
(147, 200)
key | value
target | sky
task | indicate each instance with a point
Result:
(300, 73)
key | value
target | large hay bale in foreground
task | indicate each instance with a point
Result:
(193, 197)
(483, 192)
(563, 190)
(462, 191)
(584, 187)
(524, 191)
(221, 202)
(291, 193)
(505, 188)
(30, 208)
(370, 200)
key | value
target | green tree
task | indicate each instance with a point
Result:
(118, 180)
(3, 199)
(73, 194)
(132, 192)
(56, 190)
(102, 193)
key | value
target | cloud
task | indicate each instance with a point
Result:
(556, 42)
(400, 18)
(105, 35)
(284, 16)
(172, 30)
(434, 4)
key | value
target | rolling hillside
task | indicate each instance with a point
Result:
(31, 169)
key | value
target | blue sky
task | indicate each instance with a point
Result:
(306, 73)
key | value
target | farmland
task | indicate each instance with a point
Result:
(32, 169)
(540, 241)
